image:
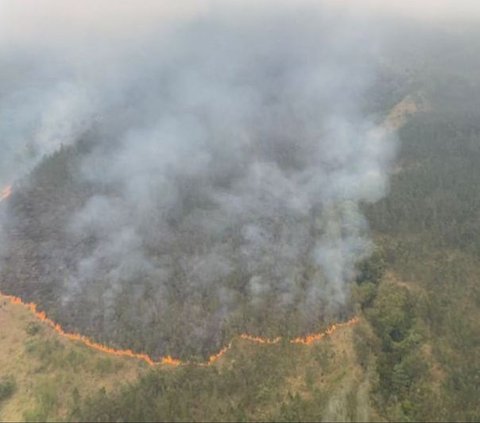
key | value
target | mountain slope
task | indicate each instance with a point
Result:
(52, 375)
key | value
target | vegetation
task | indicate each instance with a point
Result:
(43, 376)
(7, 387)
(423, 310)
(414, 356)
(274, 383)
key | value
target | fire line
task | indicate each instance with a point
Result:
(168, 360)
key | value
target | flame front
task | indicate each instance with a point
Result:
(314, 337)
(5, 193)
(168, 360)
(77, 337)
(215, 357)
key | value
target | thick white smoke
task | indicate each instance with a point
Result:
(228, 154)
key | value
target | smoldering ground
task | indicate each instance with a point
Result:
(214, 181)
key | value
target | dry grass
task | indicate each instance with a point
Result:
(401, 112)
(49, 370)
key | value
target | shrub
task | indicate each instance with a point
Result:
(7, 387)
(32, 328)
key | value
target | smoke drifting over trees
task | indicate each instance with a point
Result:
(223, 160)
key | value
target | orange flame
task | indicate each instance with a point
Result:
(5, 193)
(215, 357)
(314, 337)
(168, 360)
(77, 337)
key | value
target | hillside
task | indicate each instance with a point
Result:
(48, 373)
(52, 374)
(328, 378)
(266, 279)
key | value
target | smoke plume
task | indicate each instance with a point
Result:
(226, 154)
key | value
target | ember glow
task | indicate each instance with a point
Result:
(258, 340)
(5, 193)
(168, 360)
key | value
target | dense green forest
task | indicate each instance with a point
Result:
(428, 231)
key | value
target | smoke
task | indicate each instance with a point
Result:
(36, 120)
(432, 11)
(228, 153)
